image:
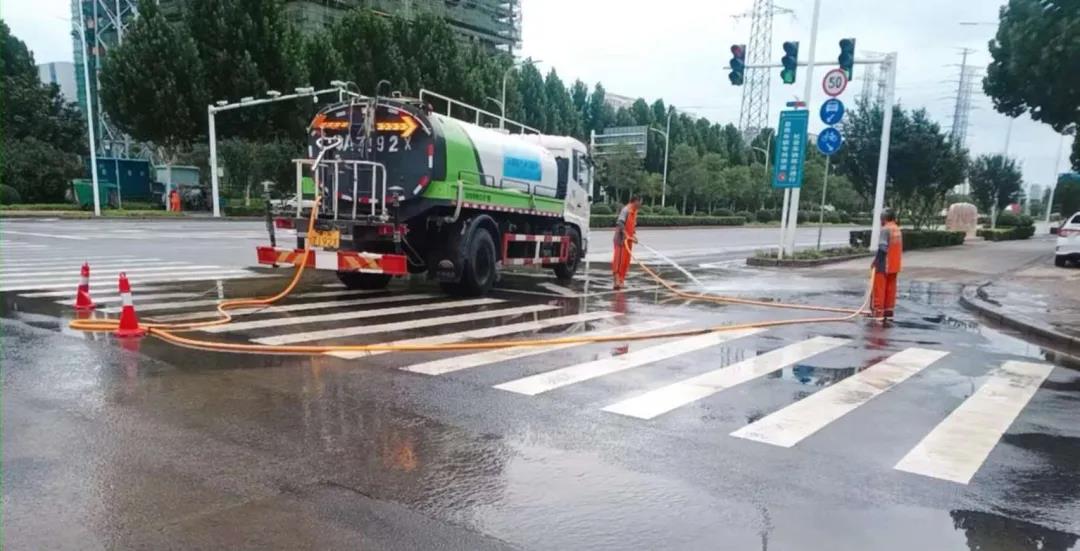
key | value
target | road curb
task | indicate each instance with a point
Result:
(801, 263)
(84, 215)
(971, 299)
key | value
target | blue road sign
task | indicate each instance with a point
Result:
(790, 149)
(829, 141)
(832, 111)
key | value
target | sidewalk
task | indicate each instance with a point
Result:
(1014, 283)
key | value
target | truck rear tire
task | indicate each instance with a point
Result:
(479, 273)
(566, 271)
(1060, 261)
(354, 280)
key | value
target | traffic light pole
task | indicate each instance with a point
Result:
(793, 216)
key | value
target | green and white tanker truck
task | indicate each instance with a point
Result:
(405, 189)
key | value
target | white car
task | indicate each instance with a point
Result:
(1068, 242)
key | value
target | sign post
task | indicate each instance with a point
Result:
(828, 142)
(788, 165)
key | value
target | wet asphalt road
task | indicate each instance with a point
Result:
(145, 445)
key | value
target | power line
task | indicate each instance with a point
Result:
(754, 113)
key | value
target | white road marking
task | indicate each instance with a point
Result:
(457, 363)
(551, 380)
(676, 395)
(559, 289)
(117, 298)
(67, 272)
(792, 424)
(94, 293)
(309, 336)
(22, 261)
(110, 275)
(136, 280)
(268, 309)
(487, 332)
(73, 267)
(361, 314)
(959, 445)
(54, 236)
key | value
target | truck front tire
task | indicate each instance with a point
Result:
(481, 262)
(566, 271)
(355, 280)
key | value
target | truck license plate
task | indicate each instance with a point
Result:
(326, 239)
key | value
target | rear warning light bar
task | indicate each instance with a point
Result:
(284, 223)
(338, 261)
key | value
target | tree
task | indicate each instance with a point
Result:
(620, 171)
(995, 182)
(43, 135)
(686, 174)
(1033, 55)
(323, 61)
(1066, 196)
(533, 97)
(247, 47)
(562, 117)
(169, 107)
(599, 116)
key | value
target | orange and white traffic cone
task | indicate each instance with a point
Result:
(82, 295)
(129, 322)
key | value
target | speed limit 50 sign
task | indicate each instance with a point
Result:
(834, 83)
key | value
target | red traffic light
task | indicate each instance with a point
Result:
(738, 50)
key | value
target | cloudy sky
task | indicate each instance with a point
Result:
(676, 49)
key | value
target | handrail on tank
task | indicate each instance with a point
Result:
(378, 192)
(450, 102)
(480, 177)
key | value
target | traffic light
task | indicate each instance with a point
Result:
(738, 64)
(790, 61)
(847, 55)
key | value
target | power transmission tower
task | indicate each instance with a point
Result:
(874, 81)
(754, 114)
(103, 23)
(962, 107)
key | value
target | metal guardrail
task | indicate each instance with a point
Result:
(477, 111)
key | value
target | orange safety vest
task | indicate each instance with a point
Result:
(631, 223)
(896, 248)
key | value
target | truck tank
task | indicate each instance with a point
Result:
(427, 154)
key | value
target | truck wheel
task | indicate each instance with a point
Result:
(479, 274)
(573, 258)
(353, 280)
(1059, 261)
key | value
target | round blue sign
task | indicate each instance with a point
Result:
(829, 141)
(832, 111)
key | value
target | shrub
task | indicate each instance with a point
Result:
(1007, 234)
(745, 214)
(914, 239)
(42, 206)
(602, 208)
(844, 217)
(608, 221)
(9, 195)
(667, 211)
(1008, 219)
(766, 215)
(723, 212)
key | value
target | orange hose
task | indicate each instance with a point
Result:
(167, 332)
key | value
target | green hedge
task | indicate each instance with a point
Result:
(42, 206)
(1007, 234)
(608, 221)
(914, 239)
(240, 210)
(1009, 220)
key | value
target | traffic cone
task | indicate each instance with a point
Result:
(129, 322)
(82, 295)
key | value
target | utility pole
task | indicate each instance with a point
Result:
(793, 216)
(90, 120)
(883, 153)
(824, 192)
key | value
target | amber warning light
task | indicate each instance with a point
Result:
(321, 121)
(405, 126)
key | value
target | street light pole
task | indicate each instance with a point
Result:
(667, 153)
(506, 75)
(212, 130)
(90, 120)
(883, 153)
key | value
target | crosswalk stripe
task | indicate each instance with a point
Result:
(676, 395)
(309, 336)
(68, 266)
(94, 293)
(792, 424)
(66, 273)
(487, 332)
(105, 299)
(457, 363)
(360, 314)
(268, 309)
(47, 260)
(957, 447)
(109, 275)
(135, 280)
(551, 380)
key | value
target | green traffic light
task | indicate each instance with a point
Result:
(787, 76)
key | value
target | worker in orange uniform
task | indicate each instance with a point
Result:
(887, 266)
(625, 237)
(174, 201)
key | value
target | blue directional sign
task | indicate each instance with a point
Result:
(832, 111)
(829, 141)
(790, 149)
